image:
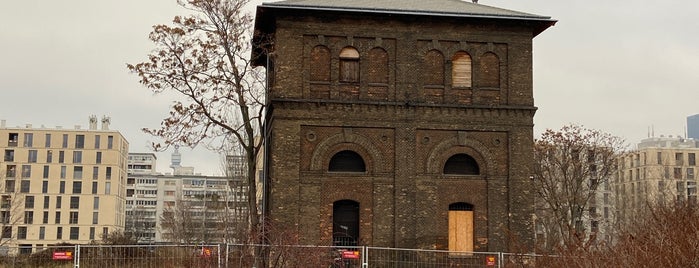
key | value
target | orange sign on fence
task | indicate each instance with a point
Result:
(62, 255)
(490, 261)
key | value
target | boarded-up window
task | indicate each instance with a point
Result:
(349, 65)
(320, 64)
(378, 66)
(461, 70)
(461, 164)
(434, 68)
(489, 75)
(461, 227)
(346, 161)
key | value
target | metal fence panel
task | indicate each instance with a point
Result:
(404, 258)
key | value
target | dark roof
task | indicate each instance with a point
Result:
(452, 8)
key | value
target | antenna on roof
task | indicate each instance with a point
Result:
(475, 1)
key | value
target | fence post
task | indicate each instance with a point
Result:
(76, 256)
(365, 257)
(501, 259)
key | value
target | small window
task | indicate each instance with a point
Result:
(461, 70)
(80, 141)
(347, 161)
(461, 164)
(349, 65)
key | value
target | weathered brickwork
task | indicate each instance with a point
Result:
(405, 119)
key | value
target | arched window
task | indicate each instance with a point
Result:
(461, 164)
(461, 227)
(320, 64)
(378, 66)
(489, 75)
(349, 65)
(461, 70)
(434, 68)
(345, 223)
(347, 161)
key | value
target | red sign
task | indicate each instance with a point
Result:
(490, 261)
(62, 255)
(348, 254)
(205, 252)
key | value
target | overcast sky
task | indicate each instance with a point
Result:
(618, 66)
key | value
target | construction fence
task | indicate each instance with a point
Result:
(260, 256)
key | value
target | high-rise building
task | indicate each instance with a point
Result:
(181, 206)
(61, 185)
(662, 169)
(693, 126)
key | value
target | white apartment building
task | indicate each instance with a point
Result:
(60, 185)
(662, 169)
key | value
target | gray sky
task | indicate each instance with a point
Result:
(618, 66)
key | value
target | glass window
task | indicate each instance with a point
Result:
(77, 187)
(58, 217)
(59, 200)
(95, 217)
(45, 220)
(107, 188)
(110, 142)
(26, 171)
(95, 172)
(79, 141)
(44, 187)
(98, 158)
(47, 141)
(108, 173)
(46, 202)
(46, 172)
(97, 141)
(77, 157)
(22, 232)
(92, 233)
(28, 139)
(65, 141)
(25, 186)
(62, 187)
(63, 172)
(96, 202)
(10, 155)
(74, 202)
(73, 217)
(94, 187)
(59, 232)
(49, 156)
(77, 172)
(32, 156)
(29, 217)
(11, 171)
(29, 202)
(42, 232)
(61, 156)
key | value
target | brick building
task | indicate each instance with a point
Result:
(400, 123)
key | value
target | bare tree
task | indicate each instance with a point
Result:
(11, 206)
(205, 59)
(571, 165)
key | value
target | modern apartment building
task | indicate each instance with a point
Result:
(61, 185)
(662, 169)
(181, 206)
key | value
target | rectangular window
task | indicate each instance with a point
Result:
(46, 201)
(59, 232)
(77, 172)
(95, 172)
(45, 220)
(58, 217)
(26, 171)
(97, 141)
(108, 173)
(107, 188)
(679, 159)
(94, 187)
(691, 158)
(29, 217)
(29, 202)
(25, 186)
(11, 171)
(73, 219)
(22, 232)
(46, 172)
(59, 200)
(47, 141)
(28, 139)
(61, 156)
(96, 202)
(9, 155)
(42, 233)
(677, 173)
(79, 141)
(12, 139)
(77, 187)
(667, 172)
(92, 233)
(44, 187)
(95, 217)
(32, 156)
(10, 186)
(77, 157)
(63, 172)
(110, 142)
(660, 158)
(75, 202)
(64, 144)
(62, 187)
(690, 173)
(98, 158)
